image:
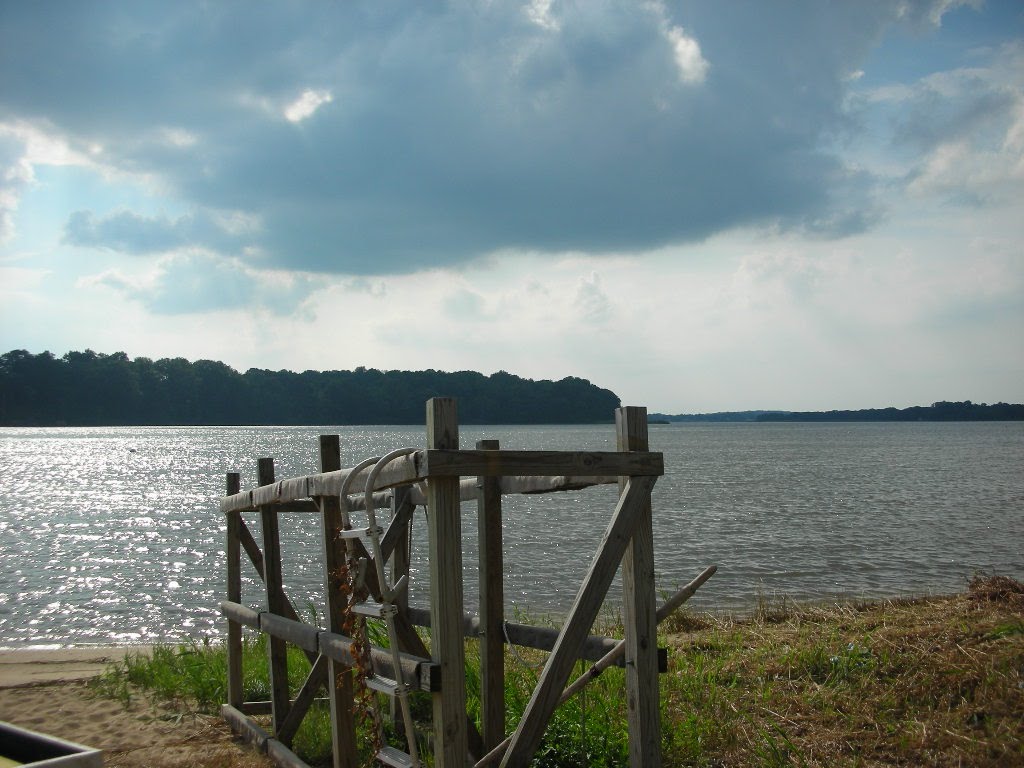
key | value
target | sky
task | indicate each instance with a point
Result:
(702, 206)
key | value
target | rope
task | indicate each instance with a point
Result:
(514, 652)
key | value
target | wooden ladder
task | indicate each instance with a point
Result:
(385, 610)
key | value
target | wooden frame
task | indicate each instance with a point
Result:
(441, 476)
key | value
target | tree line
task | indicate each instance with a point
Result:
(94, 389)
(941, 411)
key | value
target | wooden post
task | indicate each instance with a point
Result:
(492, 606)
(639, 611)
(277, 648)
(234, 594)
(401, 509)
(593, 590)
(339, 678)
(444, 526)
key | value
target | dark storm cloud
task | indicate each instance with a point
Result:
(387, 137)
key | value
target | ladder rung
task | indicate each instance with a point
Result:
(374, 610)
(358, 533)
(395, 757)
(384, 685)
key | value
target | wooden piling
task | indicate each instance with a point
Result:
(277, 650)
(492, 606)
(639, 609)
(234, 594)
(340, 690)
(451, 743)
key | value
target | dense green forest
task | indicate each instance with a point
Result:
(941, 411)
(93, 389)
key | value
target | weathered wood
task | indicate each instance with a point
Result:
(451, 743)
(314, 682)
(277, 659)
(510, 484)
(294, 632)
(492, 606)
(530, 636)
(245, 727)
(638, 611)
(394, 545)
(340, 687)
(234, 595)
(445, 463)
(577, 625)
(252, 549)
(614, 656)
(420, 672)
(240, 614)
(282, 756)
(397, 472)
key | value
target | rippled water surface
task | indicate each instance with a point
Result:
(113, 535)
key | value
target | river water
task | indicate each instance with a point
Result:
(113, 535)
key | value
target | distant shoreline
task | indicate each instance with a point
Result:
(940, 411)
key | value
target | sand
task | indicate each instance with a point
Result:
(47, 691)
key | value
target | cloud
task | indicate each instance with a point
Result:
(131, 233)
(376, 138)
(197, 283)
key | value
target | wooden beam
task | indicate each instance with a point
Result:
(277, 650)
(340, 687)
(530, 730)
(451, 743)
(307, 693)
(446, 463)
(639, 611)
(492, 606)
(234, 595)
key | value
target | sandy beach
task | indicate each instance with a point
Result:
(47, 691)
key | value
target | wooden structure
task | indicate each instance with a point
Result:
(440, 477)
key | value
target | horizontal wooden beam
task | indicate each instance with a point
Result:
(422, 673)
(240, 614)
(595, 647)
(520, 471)
(446, 463)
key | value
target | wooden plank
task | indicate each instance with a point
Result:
(277, 650)
(420, 672)
(594, 648)
(283, 757)
(451, 743)
(530, 730)
(492, 606)
(293, 632)
(340, 688)
(245, 727)
(252, 549)
(240, 614)
(639, 609)
(398, 472)
(445, 463)
(234, 595)
(307, 693)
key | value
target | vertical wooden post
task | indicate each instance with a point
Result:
(234, 594)
(444, 527)
(339, 678)
(492, 606)
(639, 612)
(400, 506)
(277, 648)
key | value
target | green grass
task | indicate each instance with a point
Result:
(936, 681)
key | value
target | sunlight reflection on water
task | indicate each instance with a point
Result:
(112, 535)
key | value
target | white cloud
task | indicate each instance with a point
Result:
(693, 67)
(307, 104)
